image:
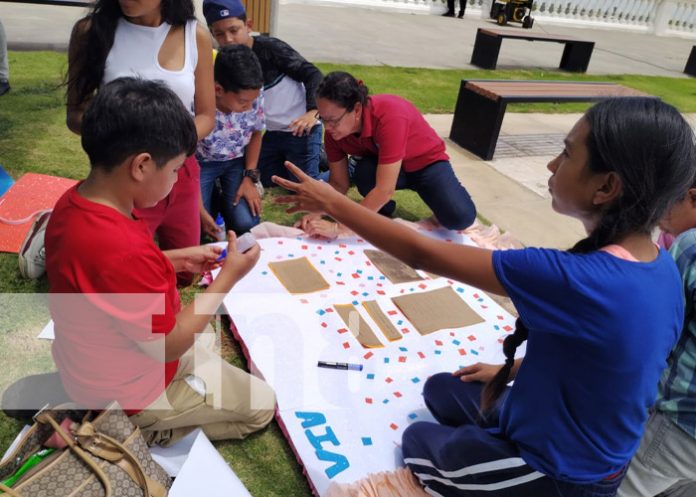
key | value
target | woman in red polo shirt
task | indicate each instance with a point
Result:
(393, 148)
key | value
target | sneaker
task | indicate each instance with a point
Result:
(449, 13)
(4, 87)
(32, 254)
(460, 15)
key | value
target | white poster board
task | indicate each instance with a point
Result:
(345, 424)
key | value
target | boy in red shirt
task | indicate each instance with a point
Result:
(121, 332)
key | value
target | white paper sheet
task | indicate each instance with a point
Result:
(14, 443)
(346, 424)
(48, 332)
(199, 468)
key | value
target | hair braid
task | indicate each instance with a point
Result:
(494, 388)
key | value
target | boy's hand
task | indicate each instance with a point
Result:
(478, 372)
(248, 191)
(304, 124)
(200, 259)
(236, 266)
(208, 224)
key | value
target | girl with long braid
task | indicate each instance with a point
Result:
(599, 319)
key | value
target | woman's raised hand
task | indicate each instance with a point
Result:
(311, 195)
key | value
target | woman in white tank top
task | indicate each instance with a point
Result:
(155, 40)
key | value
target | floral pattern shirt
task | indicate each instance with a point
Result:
(232, 133)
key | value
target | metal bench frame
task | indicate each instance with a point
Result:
(576, 54)
(690, 67)
(478, 115)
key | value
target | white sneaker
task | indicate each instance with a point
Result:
(32, 255)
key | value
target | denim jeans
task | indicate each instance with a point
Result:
(279, 146)
(436, 184)
(239, 217)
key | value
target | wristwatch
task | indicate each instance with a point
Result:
(252, 174)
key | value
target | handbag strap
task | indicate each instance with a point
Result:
(9, 491)
(45, 417)
(106, 447)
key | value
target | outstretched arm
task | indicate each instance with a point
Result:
(471, 265)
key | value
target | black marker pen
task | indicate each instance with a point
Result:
(339, 365)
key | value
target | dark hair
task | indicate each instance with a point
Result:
(94, 36)
(343, 89)
(129, 116)
(237, 68)
(650, 146)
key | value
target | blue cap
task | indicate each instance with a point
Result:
(215, 10)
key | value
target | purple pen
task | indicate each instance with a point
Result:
(340, 365)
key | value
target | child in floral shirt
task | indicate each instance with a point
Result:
(231, 151)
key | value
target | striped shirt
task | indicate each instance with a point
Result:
(677, 394)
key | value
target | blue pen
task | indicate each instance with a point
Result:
(340, 365)
(222, 256)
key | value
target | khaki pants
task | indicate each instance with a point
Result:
(664, 463)
(207, 392)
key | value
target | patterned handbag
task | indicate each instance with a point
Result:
(105, 457)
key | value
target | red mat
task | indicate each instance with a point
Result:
(32, 192)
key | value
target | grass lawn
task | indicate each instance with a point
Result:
(34, 138)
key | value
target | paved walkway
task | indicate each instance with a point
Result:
(350, 35)
(510, 190)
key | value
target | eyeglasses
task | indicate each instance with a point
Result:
(331, 123)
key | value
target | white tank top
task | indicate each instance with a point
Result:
(135, 53)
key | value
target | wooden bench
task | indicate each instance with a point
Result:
(481, 106)
(576, 54)
(690, 68)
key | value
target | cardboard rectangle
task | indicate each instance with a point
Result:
(382, 320)
(436, 310)
(358, 326)
(298, 276)
(391, 267)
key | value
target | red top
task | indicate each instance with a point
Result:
(393, 130)
(122, 291)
